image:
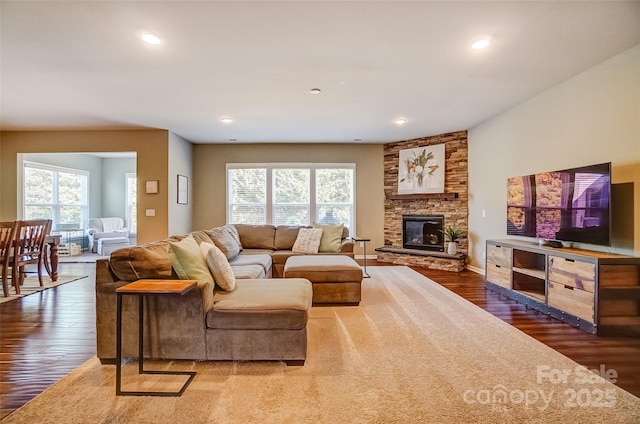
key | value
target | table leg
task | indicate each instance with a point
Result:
(51, 261)
(364, 246)
(119, 344)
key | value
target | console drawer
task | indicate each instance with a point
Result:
(499, 275)
(581, 275)
(571, 300)
(499, 255)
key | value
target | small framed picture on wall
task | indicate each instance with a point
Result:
(151, 187)
(183, 189)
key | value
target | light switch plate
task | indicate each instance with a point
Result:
(150, 212)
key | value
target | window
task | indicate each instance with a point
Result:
(291, 194)
(132, 221)
(55, 193)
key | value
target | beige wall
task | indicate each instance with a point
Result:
(180, 159)
(209, 163)
(152, 164)
(592, 118)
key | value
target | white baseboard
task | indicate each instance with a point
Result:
(475, 269)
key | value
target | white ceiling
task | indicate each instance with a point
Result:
(81, 65)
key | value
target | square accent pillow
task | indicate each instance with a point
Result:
(219, 266)
(187, 260)
(308, 240)
(331, 240)
(222, 238)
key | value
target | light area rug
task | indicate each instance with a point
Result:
(32, 285)
(412, 352)
(80, 259)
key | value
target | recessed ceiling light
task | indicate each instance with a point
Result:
(481, 44)
(315, 91)
(226, 119)
(149, 38)
(400, 121)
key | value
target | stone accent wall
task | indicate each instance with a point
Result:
(432, 262)
(455, 210)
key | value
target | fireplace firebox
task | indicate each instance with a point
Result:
(423, 232)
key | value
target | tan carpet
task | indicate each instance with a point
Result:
(32, 285)
(412, 352)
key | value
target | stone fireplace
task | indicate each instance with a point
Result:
(408, 241)
(423, 232)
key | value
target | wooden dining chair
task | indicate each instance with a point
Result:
(7, 231)
(28, 248)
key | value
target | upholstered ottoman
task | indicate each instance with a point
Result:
(335, 278)
(109, 244)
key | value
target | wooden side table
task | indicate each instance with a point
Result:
(143, 288)
(364, 246)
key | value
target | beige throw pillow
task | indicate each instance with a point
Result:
(331, 240)
(219, 266)
(187, 260)
(308, 240)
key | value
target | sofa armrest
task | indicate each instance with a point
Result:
(347, 245)
(174, 326)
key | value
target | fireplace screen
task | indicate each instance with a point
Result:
(423, 232)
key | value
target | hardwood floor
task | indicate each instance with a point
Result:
(46, 335)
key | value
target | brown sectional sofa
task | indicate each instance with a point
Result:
(262, 319)
(278, 241)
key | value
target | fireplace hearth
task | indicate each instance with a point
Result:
(423, 232)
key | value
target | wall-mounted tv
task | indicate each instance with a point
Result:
(568, 205)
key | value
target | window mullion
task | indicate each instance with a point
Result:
(269, 196)
(312, 196)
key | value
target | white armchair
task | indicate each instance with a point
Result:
(105, 228)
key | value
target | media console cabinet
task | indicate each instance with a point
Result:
(596, 292)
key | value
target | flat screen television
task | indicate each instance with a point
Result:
(568, 205)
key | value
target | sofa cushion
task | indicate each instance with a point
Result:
(256, 236)
(323, 268)
(281, 256)
(200, 237)
(247, 272)
(262, 260)
(218, 266)
(225, 242)
(286, 237)
(308, 240)
(331, 237)
(262, 304)
(187, 260)
(150, 260)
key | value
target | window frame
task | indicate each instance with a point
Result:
(131, 206)
(270, 204)
(55, 205)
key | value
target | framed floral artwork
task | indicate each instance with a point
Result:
(421, 170)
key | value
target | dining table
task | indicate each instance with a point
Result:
(51, 257)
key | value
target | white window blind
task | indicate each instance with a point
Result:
(291, 196)
(247, 201)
